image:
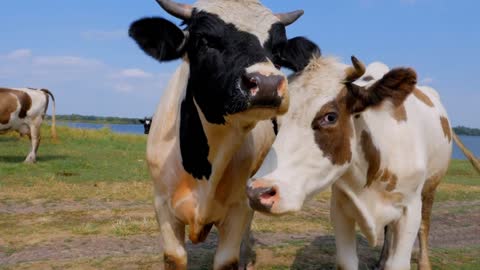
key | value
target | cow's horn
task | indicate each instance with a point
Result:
(181, 11)
(289, 17)
(355, 72)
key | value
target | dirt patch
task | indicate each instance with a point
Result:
(41, 206)
(454, 225)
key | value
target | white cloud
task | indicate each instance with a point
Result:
(19, 54)
(86, 85)
(134, 73)
(100, 35)
(63, 61)
(123, 87)
(427, 80)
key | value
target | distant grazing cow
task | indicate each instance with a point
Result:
(23, 110)
(147, 122)
(211, 129)
(384, 146)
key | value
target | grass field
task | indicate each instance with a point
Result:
(86, 204)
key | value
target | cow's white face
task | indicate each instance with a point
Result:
(317, 143)
(308, 153)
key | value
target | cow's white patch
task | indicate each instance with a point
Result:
(247, 15)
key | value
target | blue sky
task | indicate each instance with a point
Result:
(80, 50)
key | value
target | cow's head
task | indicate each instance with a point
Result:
(147, 122)
(234, 49)
(317, 141)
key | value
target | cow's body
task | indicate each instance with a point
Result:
(181, 199)
(384, 148)
(23, 110)
(212, 127)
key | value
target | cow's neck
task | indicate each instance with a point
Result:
(224, 141)
(366, 158)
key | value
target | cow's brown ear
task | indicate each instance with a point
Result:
(395, 86)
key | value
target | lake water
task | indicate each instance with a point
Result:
(472, 142)
(117, 128)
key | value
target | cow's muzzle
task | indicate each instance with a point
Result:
(262, 199)
(265, 91)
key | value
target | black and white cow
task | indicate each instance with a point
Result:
(212, 127)
(146, 122)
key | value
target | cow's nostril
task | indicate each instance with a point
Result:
(250, 82)
(269, 193)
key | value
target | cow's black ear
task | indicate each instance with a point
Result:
(159, 38)
(298, 52)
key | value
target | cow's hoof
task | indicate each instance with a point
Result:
(173, 263)
(30, 161)
(230, 266)
(250, 266)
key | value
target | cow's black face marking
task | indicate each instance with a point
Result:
(219, 55)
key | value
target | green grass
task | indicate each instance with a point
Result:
(79, 156)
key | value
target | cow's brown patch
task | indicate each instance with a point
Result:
(372, 155)
(183, 205)
(393, 197)
(428, 196)
(390, 178)
(198, 234)
(422, 97)
(230, 266)
(23, 98)
(400, 113)
(447, 131)
(173, 263)
(395, 86)
(8, 105)
(334, 140)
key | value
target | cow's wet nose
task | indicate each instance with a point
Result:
(262, 198)
(265, 90)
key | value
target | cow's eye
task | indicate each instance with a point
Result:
(325, 120)
(330, 118)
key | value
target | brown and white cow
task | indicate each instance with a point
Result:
(212, 128)
(23, 110)
(383, 147)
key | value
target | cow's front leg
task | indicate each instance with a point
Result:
(405, 231)
(172, 237)
(231, 231)
(345, 239)
(387, 247)
(34, 135)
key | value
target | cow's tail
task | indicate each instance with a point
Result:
(54, 130)
(475, 162)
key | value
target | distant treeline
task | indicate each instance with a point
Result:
(461, 130)
(94, 119)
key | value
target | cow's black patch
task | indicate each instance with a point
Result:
(275, 125)
(219, 53)
(193, 141)
(158, 38)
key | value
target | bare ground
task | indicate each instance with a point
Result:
(454, 225)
